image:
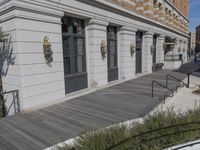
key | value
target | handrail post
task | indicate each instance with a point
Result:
(161, 86)
(15, 104)
(152, 89)
(4, 109)
(199, 66)
(169, 75)
(188, 82)
(18, 104)
(167, 81)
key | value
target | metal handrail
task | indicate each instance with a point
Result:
(161, 85)
(15, 102)
(188, 74)
(167, 79)
(172, 58)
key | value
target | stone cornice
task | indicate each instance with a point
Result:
(18, 6)
(131, 14)
(18, 14)
(53, 8)
(98, 22)
(130, 29)
(174, 7)
(149, 33)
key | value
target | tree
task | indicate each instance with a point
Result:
(6, 53)
(6, 59)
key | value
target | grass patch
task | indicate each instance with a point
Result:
(158, 131)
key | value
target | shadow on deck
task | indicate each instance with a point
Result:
(43, 128)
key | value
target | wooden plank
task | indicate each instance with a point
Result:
(42, 128)
(11, 136)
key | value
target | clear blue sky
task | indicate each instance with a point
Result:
(194, 14)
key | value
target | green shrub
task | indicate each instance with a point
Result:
(102, 139)
(158, 131)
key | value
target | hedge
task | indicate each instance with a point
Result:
(158, 131)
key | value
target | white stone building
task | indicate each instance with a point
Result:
(78, 31)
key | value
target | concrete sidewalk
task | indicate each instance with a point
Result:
(184, 100)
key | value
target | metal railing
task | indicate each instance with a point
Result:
(161, 85)
(172, 58)
(15, 104)
(195, 69)
(176, 79)
(149, 136)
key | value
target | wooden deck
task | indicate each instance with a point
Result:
(43, 128)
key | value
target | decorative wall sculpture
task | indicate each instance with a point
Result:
(48, 53)
(179, 49)
(152, 49)
(132, 48)
(164, 46)
(103, 48)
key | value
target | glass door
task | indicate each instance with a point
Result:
(73, 31)
(139, 36)
(112, 53)
(154, 49)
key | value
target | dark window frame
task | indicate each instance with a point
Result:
(71, 36)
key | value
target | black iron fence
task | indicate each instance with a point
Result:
(162, 86)
(196, 68)
(10, 103)
(173, 57)
(174, 78)
(192, 68)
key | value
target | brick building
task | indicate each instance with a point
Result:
(94, 42)
(198, 39)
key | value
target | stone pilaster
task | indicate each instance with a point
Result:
(148, 8)
(146, 52)
(162, 14)
(30, 74)
(160, 49)
(174, 21)
(127, 59)
(140, 6)
(185, 51)
(97, 32)
(180, 47)
(167, 17)
(179, 25)
(130, 5)
(156, 11)
(170, 19)
(181, 43)
(177, 47)
(176, 24)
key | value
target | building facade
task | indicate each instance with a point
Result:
(197, 39)
(64, 46)
(192, 42)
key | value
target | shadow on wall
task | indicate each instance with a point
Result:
(6, 59)
(6, 53)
